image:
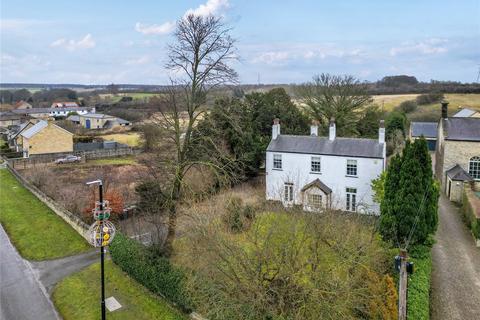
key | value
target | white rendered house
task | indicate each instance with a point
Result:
(324, 172)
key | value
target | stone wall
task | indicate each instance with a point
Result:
(75, 222)
(457, 152)
(49, 140)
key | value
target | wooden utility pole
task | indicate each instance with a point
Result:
(402, 286)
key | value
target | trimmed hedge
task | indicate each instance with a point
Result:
(154, 272)
(418, 299)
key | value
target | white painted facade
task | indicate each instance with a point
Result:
(296, 172)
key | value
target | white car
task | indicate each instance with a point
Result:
(68, 159)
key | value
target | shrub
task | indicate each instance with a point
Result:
(469, 216)
(419, 284)
(238, 217)
(429, 98)
(153, 271)
(408, 106)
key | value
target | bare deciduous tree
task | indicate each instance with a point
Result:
(332, 96)
(199, 60)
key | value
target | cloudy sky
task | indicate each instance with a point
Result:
(100, 42)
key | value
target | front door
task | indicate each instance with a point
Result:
(87, 123)
(288, 194)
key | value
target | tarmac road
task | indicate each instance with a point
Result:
(456, 268)
(22, 296)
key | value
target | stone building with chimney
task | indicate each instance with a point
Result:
(457, 157)
(324, 172)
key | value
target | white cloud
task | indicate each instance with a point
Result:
(272, 57)
(86, 42)
(302, 52)
(212, 7)
(138, 61)
(161, 29)
(427, 47)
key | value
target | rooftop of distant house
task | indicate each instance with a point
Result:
(425, 129)
(462, 129)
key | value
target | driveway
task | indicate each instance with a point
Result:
(456, 268)
(22, 296)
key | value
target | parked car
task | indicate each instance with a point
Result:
(68, 159)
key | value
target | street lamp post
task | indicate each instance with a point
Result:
(101, 233)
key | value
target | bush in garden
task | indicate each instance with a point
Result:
(153, 271)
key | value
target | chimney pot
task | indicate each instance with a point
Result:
(381, 132)
(275, 128)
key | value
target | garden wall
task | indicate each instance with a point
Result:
(471, 212)
(75, 222)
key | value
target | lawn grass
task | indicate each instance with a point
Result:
(129, 160)
(35, 230)
(78, 296)
(132, 139)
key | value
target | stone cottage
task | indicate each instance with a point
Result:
(457, 157)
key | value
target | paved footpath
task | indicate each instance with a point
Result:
(456, 268)
(22, 296)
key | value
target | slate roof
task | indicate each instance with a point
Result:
(74, 118)
(47, 110)
(96, 115)
(350, 147)
(457, 173)
(30, 132)
(463, 129)
(464, 113)
(19, 130)
(319, 184)
(427, 129)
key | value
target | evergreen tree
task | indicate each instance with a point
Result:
(409, 207)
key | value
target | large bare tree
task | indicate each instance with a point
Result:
(198, 60)
(334, 96)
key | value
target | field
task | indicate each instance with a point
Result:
(77, 297)
(456, 99)
(134, 95)
(430, 112)
(132, 139)
(25, 218)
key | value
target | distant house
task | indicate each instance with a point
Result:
(10, 118)
(45, 137)
(74, 118)
(23, 105)
(101, 121)
(457, 158)
(426, 129)
(46, 113)
(324, 172)
(15, 139)
(65, 104)
(467, 113)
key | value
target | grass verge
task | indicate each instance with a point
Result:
(113, 161)
(132, 139)
(77, 296)
(35, 230)
(418, 300)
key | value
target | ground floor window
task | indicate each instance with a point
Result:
(314, 200)
(288, 192)
(351, 199)
(474, 168)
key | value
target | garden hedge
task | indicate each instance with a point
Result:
(418, 299)
(154, 272)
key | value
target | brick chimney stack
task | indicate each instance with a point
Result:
(275, 128)
(332, 131)
(314, 128)
(444, 109)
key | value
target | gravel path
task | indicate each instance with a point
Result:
(456, 268)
